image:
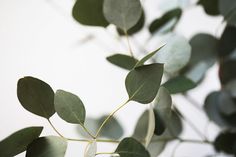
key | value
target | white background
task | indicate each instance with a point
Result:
(40, 38)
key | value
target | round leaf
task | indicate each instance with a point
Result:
(18, 141)
(36, 96)
(175, 55)
(89, 12)
(124, 14)
(225, 142)
(69, 107)
(50, 146)
(129, 147)
(142, 83)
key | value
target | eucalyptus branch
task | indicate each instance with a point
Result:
(128, 42)
(54, 128)
(109, 117)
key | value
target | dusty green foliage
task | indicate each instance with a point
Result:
(182, 62)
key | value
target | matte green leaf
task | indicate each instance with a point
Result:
(211, 7)
(141, 127)
(157, 146)
(113, 129)
(227, 72)
(159, 124)
(89, 12)
(147, 57)
(136, 28)
(179, 84)
(18, 141)
(159, 23)
(124, 14)
(142, 83)
(163, 102)
(227, 105)
(123, 61)
(214, 113)
(91, 149)
(50, 146)
(69, 107)
(175, 55)
(227, 41)
(130, 147)
(231, 88)
(205, 48)
(36, 96)
(225, 142)
(228, 10)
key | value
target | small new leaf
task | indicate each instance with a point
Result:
(123, 61)
(18, 141)
(69, 107)
(147, 57)
(142, 83)
(36, 96)
(130, 147)
(50, 146)
(124, 14)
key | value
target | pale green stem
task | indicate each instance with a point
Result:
(129, 45)
(109, 117)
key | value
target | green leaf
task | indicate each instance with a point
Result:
(227, 41)
(225, 142)
(113, 129)
(227, 105)
(36, 96)
(168, 17)
(123, 61)
(142, 83)
(141, 127)
(69, 107)
(147, 57)
(175, 55)
(136, 28)
(205, 48)
(228, 10)
(159, 124)
(179, 84)
(214, 112)
(18, 141)
(227, 71)
(130, 147)
(91, 149)
(89, 12)
(50, 146)
(124, 14)
(151, 126)
(211, 7)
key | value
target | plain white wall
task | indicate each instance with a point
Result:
(39, 38)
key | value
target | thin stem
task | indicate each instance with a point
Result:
(109, 117)
(78, 140)
(54, 128)
(193, 102)
(102, 153)
(86, 130)
(127, 38)
(108, 141)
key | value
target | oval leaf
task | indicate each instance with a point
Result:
(89, 12)
(129, 147)
(50, 146)
(142, 83)
(69, 107)
(36, 96)
(18, 141)
(123, 61)
(91, 149)
(124, 14)
(151, 126)
(211, 7)
(179, 84)
(175, 55)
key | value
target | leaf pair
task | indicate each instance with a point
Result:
(37, 97)
(124, 14)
